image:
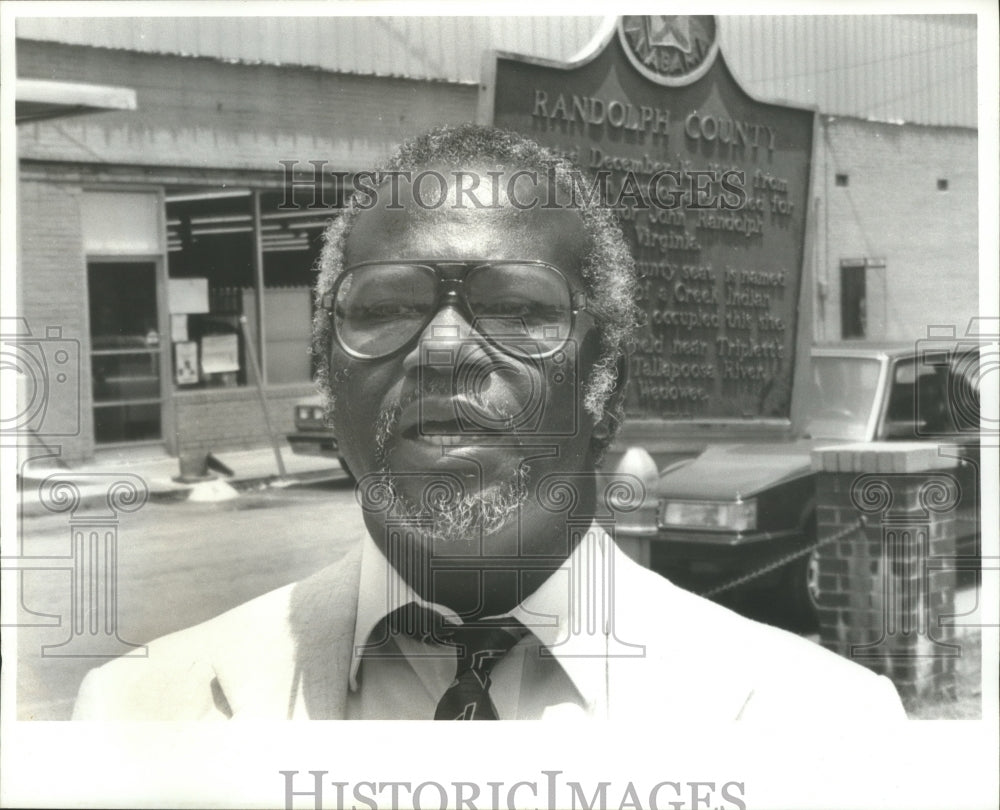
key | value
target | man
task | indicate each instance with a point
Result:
(475, 310)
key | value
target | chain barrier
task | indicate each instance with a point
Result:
(782, 561)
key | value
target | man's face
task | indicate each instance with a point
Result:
(454, 415)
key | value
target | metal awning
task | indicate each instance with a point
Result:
(40, 99)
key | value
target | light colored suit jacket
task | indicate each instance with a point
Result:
(287, 654)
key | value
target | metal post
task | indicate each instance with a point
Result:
(258, 276)
(252, 353)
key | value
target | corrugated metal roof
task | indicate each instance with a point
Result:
(920, 69)
(439, 48)
(915, 68)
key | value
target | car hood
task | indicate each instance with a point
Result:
(727, 472)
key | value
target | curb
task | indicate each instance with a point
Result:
(160, 490)
(89, 496)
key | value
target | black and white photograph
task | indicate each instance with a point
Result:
(372, 364)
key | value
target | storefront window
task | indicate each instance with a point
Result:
(291, 243)
(211, 271)
(215, 273)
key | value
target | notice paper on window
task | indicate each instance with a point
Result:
(187, 295)
(178, 328)
(219, 353)
(186, 363)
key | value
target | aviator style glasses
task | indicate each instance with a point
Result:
(525, 308)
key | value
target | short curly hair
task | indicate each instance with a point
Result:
(608, 268)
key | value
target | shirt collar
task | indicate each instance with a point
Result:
(566, 613)
(381, 591)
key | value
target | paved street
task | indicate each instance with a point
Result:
(179, 564)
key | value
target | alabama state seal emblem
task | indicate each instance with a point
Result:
(672, 50)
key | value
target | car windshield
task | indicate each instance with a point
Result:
(841, 397)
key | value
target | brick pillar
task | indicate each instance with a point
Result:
(886, 526)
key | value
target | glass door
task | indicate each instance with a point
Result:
(125, 352)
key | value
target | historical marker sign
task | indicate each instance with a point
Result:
(712, 188)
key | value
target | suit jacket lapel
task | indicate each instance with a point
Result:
(288, 653)
(321, 618)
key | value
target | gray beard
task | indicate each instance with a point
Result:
(451, 518)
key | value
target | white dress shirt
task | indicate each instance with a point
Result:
(558, 670)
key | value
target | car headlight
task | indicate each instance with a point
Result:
(736, 516)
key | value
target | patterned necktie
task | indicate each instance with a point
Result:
(480, 647)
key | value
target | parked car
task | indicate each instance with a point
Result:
(738, 508)
(313, 436)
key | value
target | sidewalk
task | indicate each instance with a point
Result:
(159, 472)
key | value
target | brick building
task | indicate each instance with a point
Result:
(161, 242)
(887, 276)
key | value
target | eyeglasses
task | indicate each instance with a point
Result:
(525, 308)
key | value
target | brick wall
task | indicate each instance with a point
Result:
(52, 292)
(231, 419)
(892, 209)
(887, 534)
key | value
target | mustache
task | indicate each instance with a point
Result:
(427, 388)
(483, 412)
(476, 398)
